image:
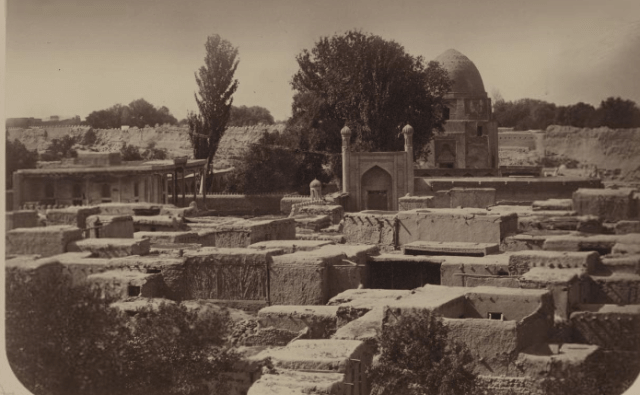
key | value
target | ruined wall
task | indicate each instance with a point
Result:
(369, 227)
(229, 204)
(606, 148)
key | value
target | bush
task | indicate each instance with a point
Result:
(151, 152)
(89, 138)
(418, 358)
(18, 157)
(130, 152)
(68, 341)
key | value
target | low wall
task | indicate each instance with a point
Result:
(224, 204)
(524, 189)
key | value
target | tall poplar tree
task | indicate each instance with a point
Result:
(216, 87)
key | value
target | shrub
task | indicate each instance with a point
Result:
(417, 358)
(130, 152)
(68, 341)
(18, 157)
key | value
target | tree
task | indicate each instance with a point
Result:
(18, 157)
(617, 113)
(249, 116)
(130, 152)
(216, 87)
(374, 87)
(68, 341)
(138, 113)
(151, 152)
(417, 357)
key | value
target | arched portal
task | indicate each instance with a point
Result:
(376, 189)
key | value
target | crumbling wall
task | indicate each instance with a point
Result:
(44, 241)
(370, 227)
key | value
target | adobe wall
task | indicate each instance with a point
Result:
(229, 204)
(454, 225)
(371, 227)
(44, 241)
(609, 326)
(510, 189)
(612, 205)
(21, 219)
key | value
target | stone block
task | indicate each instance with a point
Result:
(111, 248)
(318, 322)
(302, 278)
(312, 222)
(75, 215)
(34, 268)
(371, 227)
(313, 236)
(287, 202)
(110, 226)
(581, 242)
(132, 209)
(553, 205)
(458, 271)
(291, 246)
(158, 223)
(177, 249)
(21, 219)
(472, 197)
(521, 261)
(609, 204)
(455, 225)
(406, 203)
(589, 224)
(334, 211)
(623, 248)
(122, 284)
(168, 237)
(626, 227)
(616, 288)
(80, 265)
(44, 241)
(206, 237)
(450, 248)
(609, 326)
(523, 242)
(621, 263)
(243, 233)
(172, 269)
(545, 222)
(298, 382)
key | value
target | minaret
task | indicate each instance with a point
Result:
(408, 148)
(346, 135)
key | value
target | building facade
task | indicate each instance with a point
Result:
(470, 138)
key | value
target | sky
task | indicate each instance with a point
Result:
(72, 57)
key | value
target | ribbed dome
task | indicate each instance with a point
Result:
(466, 77)
(315, 184)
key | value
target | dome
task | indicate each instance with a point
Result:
(345, 131)
(466, 77)
(408, 129)
(315, 184)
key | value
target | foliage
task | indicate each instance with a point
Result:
(417, 357)
(130, 152)
(61, 148)
(18, 157)
(216, 87)
(249, 116)
(138, 113)
(526, 114)
(151, 152)
(89, 138)
(373, 86)
(67, 341)
(267, 166)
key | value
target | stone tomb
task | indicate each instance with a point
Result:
(610, 204)
(44, 241)
(111, 248)
(110, 226)
(444, 248)
(21, 219)
(455, 225)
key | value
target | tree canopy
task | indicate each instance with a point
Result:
(249, 116)
(216, 86)
(67, 340)
(138, 113)
(525, 114)
(18, 157)
(370, 84)
(417, 357)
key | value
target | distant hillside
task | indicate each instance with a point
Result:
(174, 139)
(606, 148)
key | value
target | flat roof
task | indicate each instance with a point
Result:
(149, 167)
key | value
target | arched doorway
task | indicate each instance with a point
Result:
(376, 189)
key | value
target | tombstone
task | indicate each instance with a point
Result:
(316, 190)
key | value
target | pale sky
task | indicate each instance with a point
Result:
(72, 57)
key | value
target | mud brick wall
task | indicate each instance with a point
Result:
(611, 330)
(243, 204)
(620, 288)
(21, 219)
(43, 241)
(376, 229)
